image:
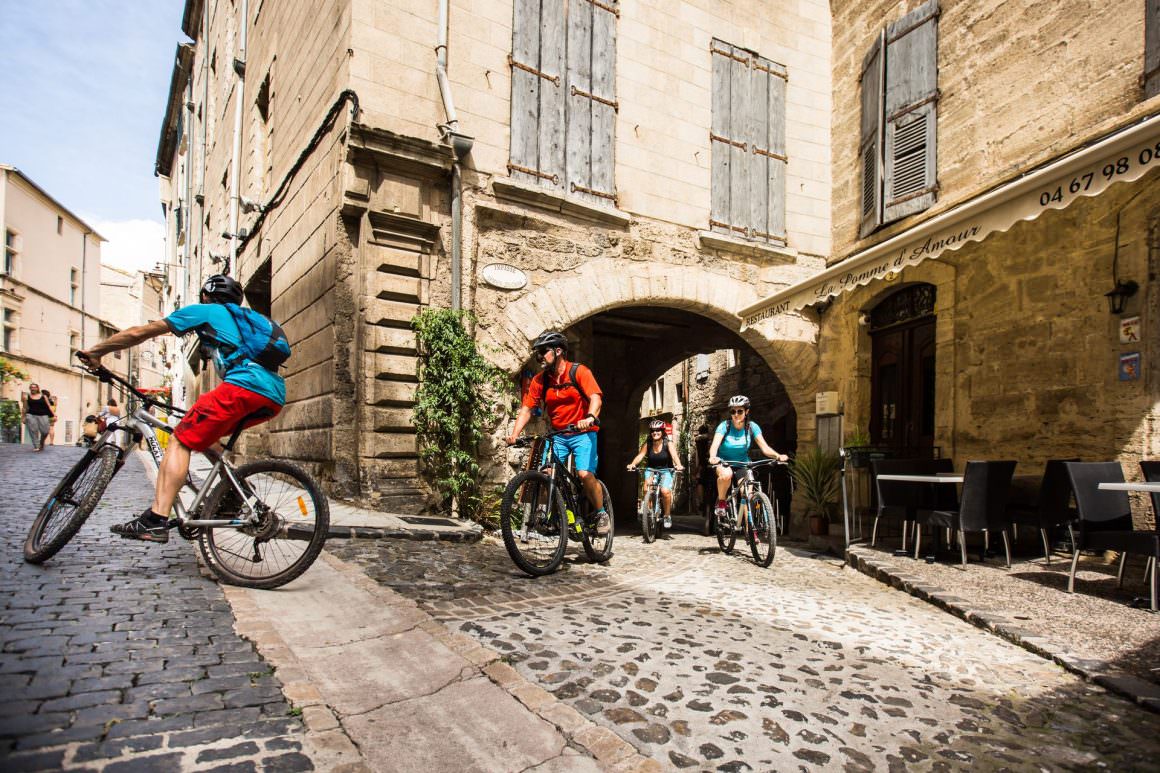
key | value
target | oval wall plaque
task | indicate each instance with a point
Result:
(504, 277)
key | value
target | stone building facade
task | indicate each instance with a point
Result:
(50, 299)
(644, 171)
(974, 320)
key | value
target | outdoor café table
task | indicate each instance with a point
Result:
(941, 477)
(1147, 488)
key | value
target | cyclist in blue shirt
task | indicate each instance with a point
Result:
(248, 389)
(731, 443)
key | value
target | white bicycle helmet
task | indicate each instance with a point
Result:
(739, 401)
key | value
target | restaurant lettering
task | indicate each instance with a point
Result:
(1123, 159)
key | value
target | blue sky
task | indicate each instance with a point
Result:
(83, 84)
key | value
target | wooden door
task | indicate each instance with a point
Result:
(902, 390)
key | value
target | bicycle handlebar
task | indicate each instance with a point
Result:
(751, 465)
(527, 440)
(106, 376)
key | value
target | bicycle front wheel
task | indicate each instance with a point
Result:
(648, 521)
(726, 538)
(532, 526)
(293, 523)
(599, 546)
(70, 503)
(762, 533)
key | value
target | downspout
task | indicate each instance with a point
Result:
(461, 145)
(235, 160)
(200, 196)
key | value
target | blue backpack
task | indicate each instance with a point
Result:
(263, 341)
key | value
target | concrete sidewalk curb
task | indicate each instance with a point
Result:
(422, 535)
(1139, 691)
(326, 734)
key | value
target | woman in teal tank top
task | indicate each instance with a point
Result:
(731, 443)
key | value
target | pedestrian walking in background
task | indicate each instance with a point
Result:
(37, 415)
(51, 419)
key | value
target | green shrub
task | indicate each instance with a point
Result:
(816, 474)
(459, 394)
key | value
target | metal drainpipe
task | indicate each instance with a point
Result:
(235, 161)
(201, 256)
(461, 145)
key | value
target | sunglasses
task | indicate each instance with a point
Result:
(738, 412)
(541, 353)
(656, 431)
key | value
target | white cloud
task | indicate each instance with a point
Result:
(132, 244)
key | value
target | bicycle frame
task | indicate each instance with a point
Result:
(124, 431)
(554, 463)
(743, 487)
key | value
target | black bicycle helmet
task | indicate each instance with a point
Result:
(739, 401)
(550, 340)
(223, 289)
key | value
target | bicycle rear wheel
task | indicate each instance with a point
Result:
(70, 503)
(531, 526)
(762, 531)
(726, 537)
(294, 521)
(599, 546)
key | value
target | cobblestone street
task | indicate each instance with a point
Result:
(704, 661)
(120, 656)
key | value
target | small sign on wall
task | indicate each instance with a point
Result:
(1130, 366)
(1130, 330)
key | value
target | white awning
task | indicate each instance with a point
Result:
(1123, 156)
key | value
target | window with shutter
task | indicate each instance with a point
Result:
(1151, 77)
(747, 136)
(897, 145)
(564, 96)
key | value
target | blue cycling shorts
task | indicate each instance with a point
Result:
(664, 478)
(582, 446)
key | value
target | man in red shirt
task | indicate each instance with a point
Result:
(568, 404)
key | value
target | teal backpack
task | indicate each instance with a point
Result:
(262, 339)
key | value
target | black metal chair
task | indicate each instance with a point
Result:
(1105, 519)
(897, 499)
(982, 508)
(1052, 507)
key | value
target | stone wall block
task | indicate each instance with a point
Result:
(391, 313)
(392, 287)
(397, 367)
(386, 392)
(389, 340)
(388, 444)
(388, 419)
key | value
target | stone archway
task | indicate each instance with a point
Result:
(787, 343)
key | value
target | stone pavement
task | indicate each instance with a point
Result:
(120, 656)
(704, 661)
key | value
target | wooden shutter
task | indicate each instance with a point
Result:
(911, 102)
(537, 124)
(591, 98)
(720, 143)
(1151, 76)
(870, 143)
(748, 145)
(767, 152)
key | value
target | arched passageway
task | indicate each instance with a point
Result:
(629, 348)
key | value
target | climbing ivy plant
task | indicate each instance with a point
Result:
(9, 372)
(459, 394)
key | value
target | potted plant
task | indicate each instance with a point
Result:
(816, 474)
(858, 448)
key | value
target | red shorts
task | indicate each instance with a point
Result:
(217, 412)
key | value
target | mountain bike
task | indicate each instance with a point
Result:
(262, 525)
(750, 511)
(651, 511)
(544, 508)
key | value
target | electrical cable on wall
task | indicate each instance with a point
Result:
(323, 129)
